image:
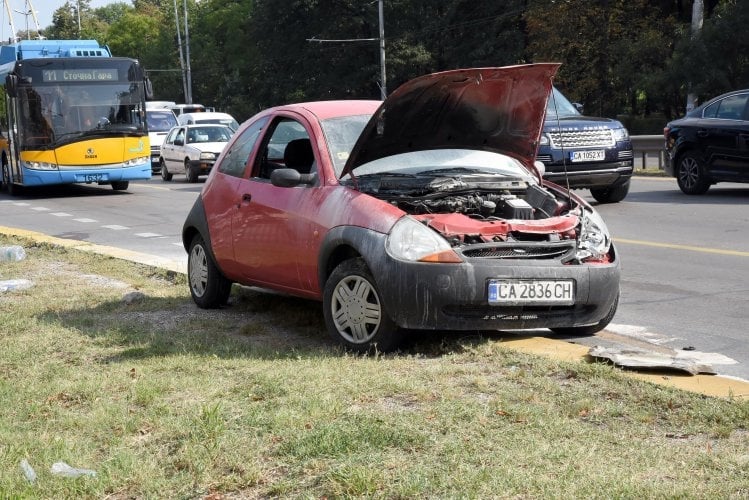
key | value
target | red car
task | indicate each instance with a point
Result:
(424, 211)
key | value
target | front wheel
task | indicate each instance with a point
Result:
(690, 174)
(354, 313)
(584, 331)
(165, 174)
(612, 194)
(191, 172)
(208, 287)
(7, 181)
(120, 185)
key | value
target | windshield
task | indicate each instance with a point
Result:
(439, 162)
(51, 114)
(559, 107)
(341, 134)
(208, 134)
(161, 120)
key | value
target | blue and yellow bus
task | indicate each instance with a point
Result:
(74, 113)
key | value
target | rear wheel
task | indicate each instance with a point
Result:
(612, 194)
(191, 172)
(690, 174)
(208, 287)
(584, 331)
(120, 185)
(165, 174)
(354, 313)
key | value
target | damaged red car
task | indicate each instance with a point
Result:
(425, 211)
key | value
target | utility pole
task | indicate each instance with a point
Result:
(380, 39)
(383, 79)
(179, 45)
(188, 94)
(697, 16)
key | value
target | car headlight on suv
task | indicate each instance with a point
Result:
(207, 156)
(594, 241)
(544, 140)
(620, 134)
(412, 241)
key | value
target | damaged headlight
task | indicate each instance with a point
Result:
(594, 240)
(412, 240)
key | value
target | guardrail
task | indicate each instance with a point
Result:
(648, 148)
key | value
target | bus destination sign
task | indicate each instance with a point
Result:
(80, 75)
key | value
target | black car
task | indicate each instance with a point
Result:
(710, 144)
(585, 152)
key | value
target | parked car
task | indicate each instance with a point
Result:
(208, 117)
(192, 150)
(160, 121)
(710, 144)
(424, 211)
(586, 152)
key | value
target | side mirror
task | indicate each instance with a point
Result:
(288, 177)
(578, 107)
(148, 87)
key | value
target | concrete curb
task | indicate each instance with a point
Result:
(709, 385)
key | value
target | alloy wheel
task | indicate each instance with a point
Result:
(356, 309)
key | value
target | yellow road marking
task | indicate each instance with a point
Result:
(735, 253)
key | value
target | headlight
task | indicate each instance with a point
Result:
(620, 134)
(134, 162)
(594, 241)
(207, 156)
(544, 141)
(413, 241)
(41, 165)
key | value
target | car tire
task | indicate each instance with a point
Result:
(165, 174)
(585, 331)
(354, 313)
(120, 185)
(192, 173)
(611, 194)
(690, 174)
(208, 287)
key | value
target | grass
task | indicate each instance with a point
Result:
(164, 400)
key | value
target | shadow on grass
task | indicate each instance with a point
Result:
(255, 323)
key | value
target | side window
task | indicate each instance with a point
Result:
(287, 146)
(236, 158)
(170, 138)
(730, 108)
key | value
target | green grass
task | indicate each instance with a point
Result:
(164, 400)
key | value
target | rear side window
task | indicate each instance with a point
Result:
(730, 108)
(236, 158)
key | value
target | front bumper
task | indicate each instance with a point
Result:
(455, 296)
(584, 176)
(202, 166)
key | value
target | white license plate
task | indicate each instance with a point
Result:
(538, 292)
(593, 155)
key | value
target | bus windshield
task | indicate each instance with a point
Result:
(54, 110)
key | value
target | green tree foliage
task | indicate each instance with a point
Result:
(633, 57)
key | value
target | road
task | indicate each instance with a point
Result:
(685, 259)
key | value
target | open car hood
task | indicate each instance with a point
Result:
(490, 109)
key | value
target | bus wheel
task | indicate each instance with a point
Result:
(120, 185)
(7, 182)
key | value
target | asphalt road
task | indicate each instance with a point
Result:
(685, 259)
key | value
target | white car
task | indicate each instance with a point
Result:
(192, 150)
(208, 117)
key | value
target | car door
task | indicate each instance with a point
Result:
(171, 149)
(724, 133)
(275, 234)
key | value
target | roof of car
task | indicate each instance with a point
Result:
(331, 109)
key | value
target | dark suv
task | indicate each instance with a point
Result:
(710, 144)
(585, 152)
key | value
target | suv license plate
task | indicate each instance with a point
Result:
(594, 155)
(539, 292)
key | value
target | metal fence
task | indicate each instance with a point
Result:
(649, 151)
